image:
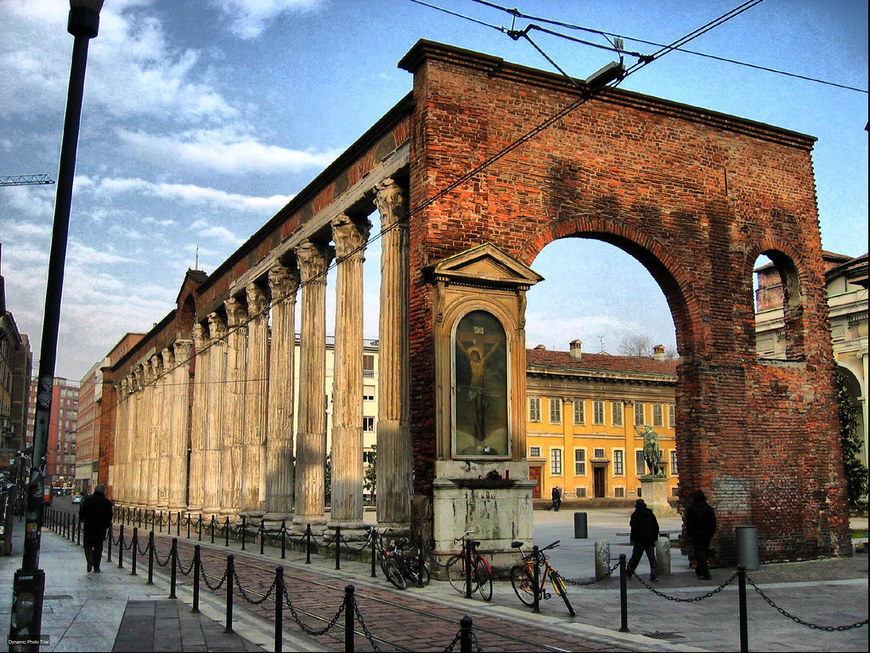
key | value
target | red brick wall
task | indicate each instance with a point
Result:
(694, 196)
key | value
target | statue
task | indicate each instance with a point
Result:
(651, 452)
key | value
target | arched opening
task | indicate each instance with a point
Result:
(778, 308)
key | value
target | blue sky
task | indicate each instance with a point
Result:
(202, 118)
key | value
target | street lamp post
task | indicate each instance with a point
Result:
(29, 585)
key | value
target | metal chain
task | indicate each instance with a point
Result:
(798, 620)
(306, 629)
(157, 558)
(474, 641)
(581, 583)
(691, 600)
(214, 587)
(362, 624)
(189, 567)
(245, 594)
(129, 546)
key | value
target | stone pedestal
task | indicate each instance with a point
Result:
(655, 494)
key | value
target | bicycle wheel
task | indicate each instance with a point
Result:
(484, 578)
(393, 572)
(456, 573)
(523, 583)
(560, 587)
(411, 565)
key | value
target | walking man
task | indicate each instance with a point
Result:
(700, 526)
(644, 533)
(95, 515)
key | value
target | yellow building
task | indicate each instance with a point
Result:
(585, 416)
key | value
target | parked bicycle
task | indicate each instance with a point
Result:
(478, 572)
(523, 577)
(398, 564)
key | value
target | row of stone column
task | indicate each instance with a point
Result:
(241, 405)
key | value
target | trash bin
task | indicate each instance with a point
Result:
(580, 530)
(747, 547)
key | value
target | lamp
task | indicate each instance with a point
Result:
(29, 583)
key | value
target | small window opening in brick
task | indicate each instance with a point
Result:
(779, 333)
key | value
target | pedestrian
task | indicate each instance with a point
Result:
(95, 515)
(556, 496)
(700, 521)
(644, 533)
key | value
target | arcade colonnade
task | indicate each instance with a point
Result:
(225, 392)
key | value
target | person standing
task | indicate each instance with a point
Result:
(700, 521)
(644, 533)
(556, 496)
(95, 515)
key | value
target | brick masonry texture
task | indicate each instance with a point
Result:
(696, 197)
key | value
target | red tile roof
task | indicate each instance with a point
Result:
(599, 362)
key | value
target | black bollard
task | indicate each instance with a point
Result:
(262, 537)
(230, 567)
(337, 539)
(109, 542)
(741, 594)
(161, 521)
(227, 533)
(188, 526)
(279, 609)
(465, 625)
(199, 528)
(121, 547)
(623, 595)
(283, 539)
(244, 530)
(173, 575)
(373, 534)
(197, 566)
(420, 561)
(178, 525)
(212, 529)
(348, 618)
(150, 557)
(535, 576)
(135, 549)
(308, 544)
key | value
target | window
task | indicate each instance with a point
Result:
(534, 452)
(368, 393)
(580, 492)
(658, 416)
(673, 463)
(598, 453)
(618, 462)
(672, 415)
(368, 424)
(580, 462)
(534, 409)
(638, 413)
(616, 413)
(639, 462)
(555, 462)
(555, 411)
(598, 412)
(579, 411)
(368, 366)
(619, 492)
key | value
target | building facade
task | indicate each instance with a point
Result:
(16, 362)
(60, 465)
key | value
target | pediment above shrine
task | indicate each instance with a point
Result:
(485, 265)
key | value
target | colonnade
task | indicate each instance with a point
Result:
(227, 393)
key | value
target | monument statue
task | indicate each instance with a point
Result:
(652, 454)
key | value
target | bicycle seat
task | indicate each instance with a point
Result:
(516, 545)
(473, 543)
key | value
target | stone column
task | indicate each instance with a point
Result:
(137, 442)
(178, 436)
(283, 283)
(394, 485)
(347, 435)
(253, 493)
(234, 410)
(155, 412)
(121, 436)
(311, 443)
(215, 422)
(165, 427)
(199, 414)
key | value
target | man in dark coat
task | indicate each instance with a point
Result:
(95, 515)
(644, 533)
(556, 496)
(700, 521)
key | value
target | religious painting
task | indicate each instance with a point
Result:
(480, 388)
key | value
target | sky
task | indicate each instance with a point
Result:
(202, 118)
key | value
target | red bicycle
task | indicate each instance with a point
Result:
(469, 571)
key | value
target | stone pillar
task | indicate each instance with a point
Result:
(394, 486)
(283, 283)
(347, 434)
(150, 478)
(198, 418)
(164, 412)
(121, 437)
(215, 422)
(178, 436)
(137, 452)
(311, 443)
(234, 410)
(256, 393)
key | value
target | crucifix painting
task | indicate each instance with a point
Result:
(480, 387)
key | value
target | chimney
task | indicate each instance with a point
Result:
(576, 349)
(659, 352)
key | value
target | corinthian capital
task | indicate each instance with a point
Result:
(217, 327)
(350, 236)
(236, 313)
(283, 281)
(258, 302)
(391, 199)
(313, 261)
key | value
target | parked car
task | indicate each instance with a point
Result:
(77, 498)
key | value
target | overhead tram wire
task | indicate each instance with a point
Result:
(612, 35)
(585, 96)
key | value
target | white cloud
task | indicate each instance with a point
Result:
(217, 232)
(249, 18)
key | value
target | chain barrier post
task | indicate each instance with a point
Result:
(536, 557)
(178, 525)
(348, 618)
(373, 533)
(173, 576)
(121, 547)
(741, 593)
(79, 533)
(283, 539)
(230, 571)
(199, 528)
(466, 553)
(465, 634)
(244, 530)
(212, 529)
(308, 544)
(111, 537)
(135, 548)
(623, 595)
(337, 540)
(227, 532)
(420, 560)
(279, 609)
(197, 570)
(188, 526)
(262, 537)
(161, 521)
(150, 557)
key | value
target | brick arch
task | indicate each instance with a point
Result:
(647, 250)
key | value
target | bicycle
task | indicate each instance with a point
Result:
(479, 570)
(397, 566)
(523, 577)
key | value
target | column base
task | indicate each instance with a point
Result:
(355, 531)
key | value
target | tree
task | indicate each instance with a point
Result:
(636, 346)
(370, 480)
(856, 471)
